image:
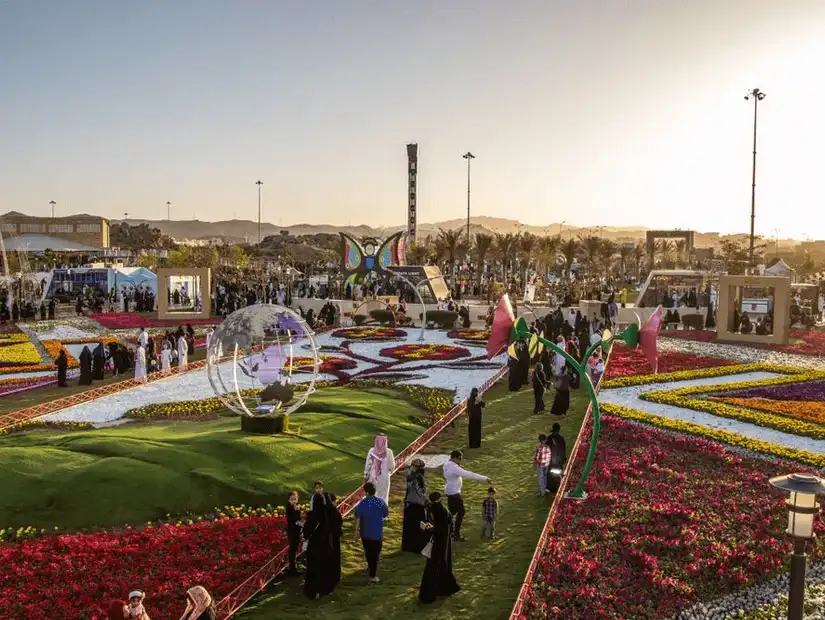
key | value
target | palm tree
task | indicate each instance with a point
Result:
(626, 253)
(681, 246)
(482, 247)
(447, 245)
(548, 251)
(570, 250)
(417, 254)
(505, 246)
(639, 253)
(607, 250)
(664, 248)
(590, 247)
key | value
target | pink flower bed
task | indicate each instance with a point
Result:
(626, 362)
(669, 521)
(119, 320)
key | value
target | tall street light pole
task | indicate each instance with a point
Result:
(168, 211)
(469, 157)
(259, 183)
(52, 203)
(757, 96)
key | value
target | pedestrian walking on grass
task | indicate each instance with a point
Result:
(370, 514)
(541, 460)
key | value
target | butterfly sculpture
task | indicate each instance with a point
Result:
(369, 255)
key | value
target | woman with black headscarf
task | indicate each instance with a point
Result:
(99, 362)
(85, 367)
(474, 408)
(62, 363)
(323, 569)
(415, 509)
(438, 579)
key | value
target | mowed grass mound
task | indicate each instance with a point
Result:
(141, 472)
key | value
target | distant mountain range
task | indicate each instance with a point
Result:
(241, 230)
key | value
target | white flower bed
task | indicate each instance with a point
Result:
(52, 330)
(630, 397)
(743, 354)
(195, 385)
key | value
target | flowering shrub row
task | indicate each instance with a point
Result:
(725, 437)
(808, 412)
(30, 425)
(416, 352)
(625, 362)
(75, 573)
(669, 520)
(687, 375)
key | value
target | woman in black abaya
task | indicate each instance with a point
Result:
(474, 408)
(321, 531)
(438, 579)
(62, 364)
(99, 362)
(415, 510)
(85, 367)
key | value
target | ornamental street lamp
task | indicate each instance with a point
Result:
(802, 509)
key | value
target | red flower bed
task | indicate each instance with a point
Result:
(327, 364)
(669, 521)
(369, 333)
(481, 335)
(417, 352)
(807, 342)
(70, 575)
(120, 320)
(626, 362)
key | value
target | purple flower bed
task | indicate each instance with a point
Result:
(808, 391)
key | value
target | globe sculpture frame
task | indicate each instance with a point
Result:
(245, 341)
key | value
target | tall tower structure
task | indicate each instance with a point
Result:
(412, 188)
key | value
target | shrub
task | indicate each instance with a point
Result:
(384, 317)
(443, 318)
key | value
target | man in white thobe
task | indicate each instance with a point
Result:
(140, 364)
(183, 353)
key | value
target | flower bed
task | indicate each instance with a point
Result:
(328, 364)
(687, 375)
(475, 335)
(807, 391)
(54, 347)
(417, 352)
(808, 412)
(726, 437)
(74, 573)
(369, 333)
(669, 521)
(17, 350)
(30, 425)
(796, 426)
(128, 320)
(807, 342)
(625, 362)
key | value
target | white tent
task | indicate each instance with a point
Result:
(779, 268)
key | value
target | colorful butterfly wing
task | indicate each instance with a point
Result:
(352, 254)
(388, 253)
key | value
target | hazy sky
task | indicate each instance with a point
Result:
(593, 112)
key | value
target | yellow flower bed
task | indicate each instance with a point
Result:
(20, 353)
(808, 411)
(704, 373)
(725, 437)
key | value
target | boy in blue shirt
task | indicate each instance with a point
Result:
(370, 514)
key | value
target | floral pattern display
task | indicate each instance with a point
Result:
(669, 520)
(369, 333)
(16, 350)
(476, 335)
(328, 364)
(805, 342)
(415, 352)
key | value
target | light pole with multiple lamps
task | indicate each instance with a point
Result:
(52, 203)
(802, 510)
(757, 96)
(469, 157)
(259, 183)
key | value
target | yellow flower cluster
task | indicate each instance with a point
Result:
(19, 350)
(686, 375)
(184, 408)
(22, 533)
(725, 437)
(681, 398)
(28, 425)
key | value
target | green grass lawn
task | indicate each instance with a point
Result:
(139, 472)
(490, 573)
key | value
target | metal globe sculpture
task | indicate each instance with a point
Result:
(263, 359)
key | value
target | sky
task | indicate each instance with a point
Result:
(593, 112)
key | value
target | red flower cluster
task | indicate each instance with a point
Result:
(807, 342)
(327, 364)
(481, 335)
(70, 575)
(669, 521)
(626, 362)
(128, 320)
